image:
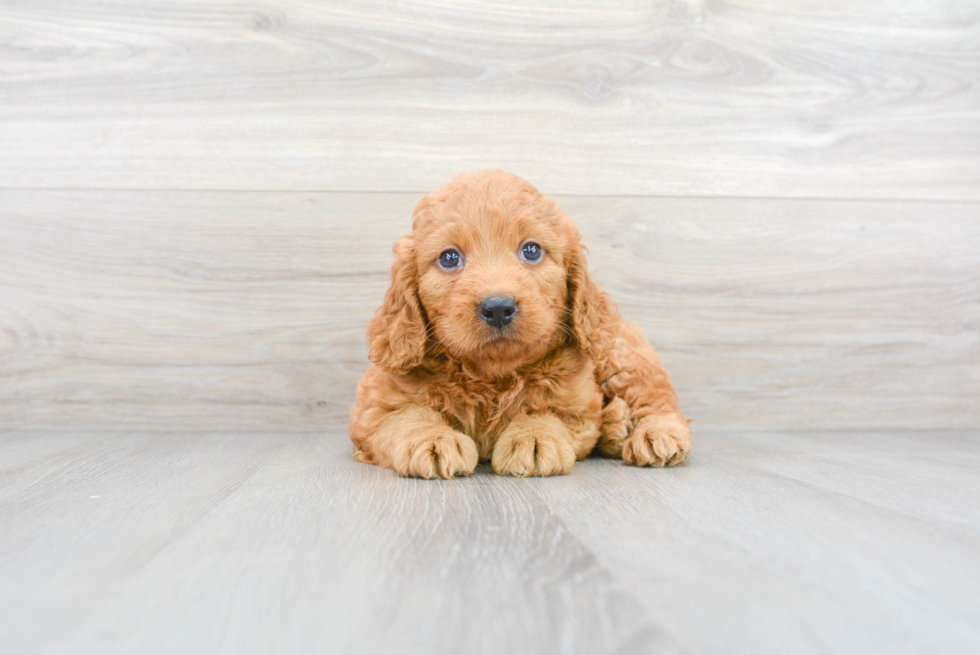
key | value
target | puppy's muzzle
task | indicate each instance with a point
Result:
(498, 311)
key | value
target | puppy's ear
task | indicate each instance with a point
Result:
(592, 314)
(397, 333)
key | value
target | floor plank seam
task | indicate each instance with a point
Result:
(558, 195)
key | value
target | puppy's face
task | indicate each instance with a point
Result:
(492, 278)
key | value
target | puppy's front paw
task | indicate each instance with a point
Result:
(439, 453)
(658, 441)
(534, 446)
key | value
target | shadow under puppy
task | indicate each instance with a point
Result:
(493, 343)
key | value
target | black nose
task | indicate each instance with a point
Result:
(498, 311)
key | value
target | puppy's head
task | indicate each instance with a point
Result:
(493, 274)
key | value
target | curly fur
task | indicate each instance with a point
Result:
(567, 377)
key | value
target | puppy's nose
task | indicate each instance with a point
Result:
(498, 311)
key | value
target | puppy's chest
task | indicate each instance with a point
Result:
(481, 411)
(485, 413)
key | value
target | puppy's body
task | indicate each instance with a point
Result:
(482, 352)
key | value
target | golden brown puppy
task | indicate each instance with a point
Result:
(493, 343)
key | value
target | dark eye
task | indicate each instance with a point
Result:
(450, 259)
(531, 252)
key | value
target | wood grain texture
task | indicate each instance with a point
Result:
(671, 97)
(812, 542)
(246, 543)
(256, 543)
(232, 311)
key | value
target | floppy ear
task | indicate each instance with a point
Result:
(397, 333)
(590, 310)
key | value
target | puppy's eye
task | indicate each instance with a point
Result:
(450, 259)
(531, 252)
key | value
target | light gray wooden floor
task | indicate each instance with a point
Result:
(252, 543)
(197, 205)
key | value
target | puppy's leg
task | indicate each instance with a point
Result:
(641, 422)
(417, 442)
(534, 445)
(617, 424)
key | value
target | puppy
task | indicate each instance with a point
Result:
(494, 344)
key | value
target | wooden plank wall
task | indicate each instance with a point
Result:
(198, 200)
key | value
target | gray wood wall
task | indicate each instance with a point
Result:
(198, 200)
